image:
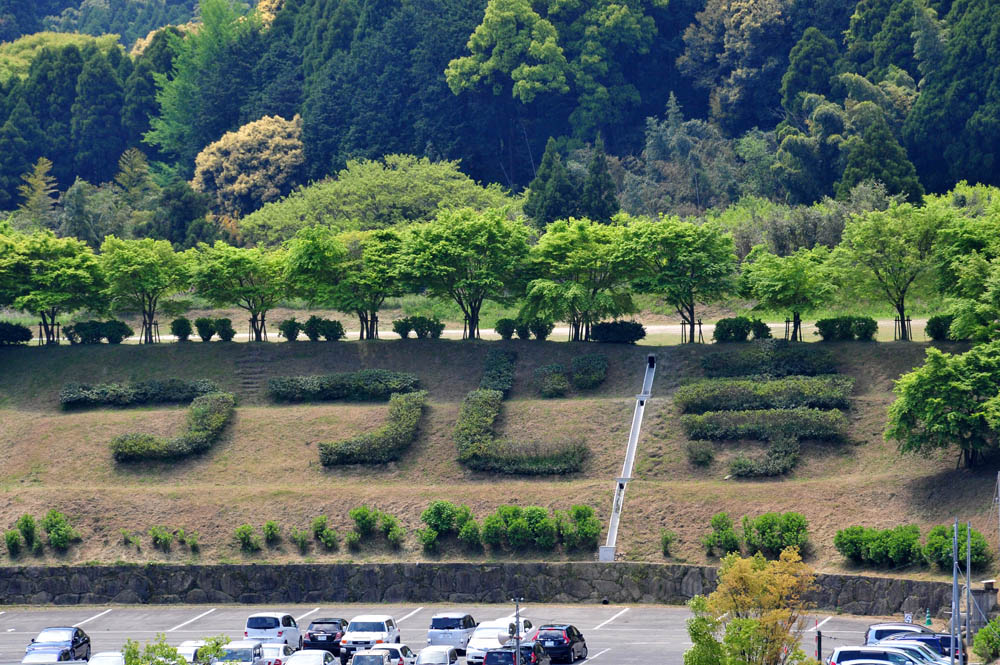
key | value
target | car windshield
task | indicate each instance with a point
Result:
(366, 627)
(331, 626)
(499, 658)
(236, 655)
(368, 659)
(445, 623)
(55, 635)
(436, 658)
(262, 623)
(274, 650)
(550, 634)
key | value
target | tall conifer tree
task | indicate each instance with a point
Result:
(599, 201)
(97, 113)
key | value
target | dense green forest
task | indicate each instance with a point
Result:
(237, 122)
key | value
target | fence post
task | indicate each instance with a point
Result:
(701, 337)
(819, 645)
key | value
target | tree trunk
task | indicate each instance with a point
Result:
(372, 324)
(904, 334)
(796, 327)
(48, 326)
(474, 321)
(256, 327)
(362, 323)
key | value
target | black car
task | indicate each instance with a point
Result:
(531, 654)
(68, 638)
(325, 634)
(562, 641)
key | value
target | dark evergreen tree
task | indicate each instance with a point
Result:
(811, 65)
(866, 22)
(535, 200)
(875, 154)
(20, 139)
(180, 216)
(893, 45)
(598, 200)
(139, 103)
(56, 115)
(97, 121)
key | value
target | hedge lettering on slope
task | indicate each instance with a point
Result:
(207, 418)
(154, 391)
(386, 444)
(588, 371)
(767, 424)
(821, 392)
(775, 358)
(498, 371)
(781, 457)
(367, 385)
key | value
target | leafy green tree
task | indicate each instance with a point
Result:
(251, 279)
(811, 65)
(950, 401)
(866, 22)
(467, 257)
(91, 213)
(179, 215)
(58, 276)
(809, 163)
(797, 283)
(140, 273)
(37, 209)
(598, 200)
(686, 264)
(97, 113)
(371, 274)
(20, 138)
(889, 253)
(153, 653)
(875, 154)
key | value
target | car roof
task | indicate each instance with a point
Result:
(901, 624)
(242, 643)
(554, 625)
(268, 614)
(106, 653)
(871, 647)
(494, 623)
(307, 652)
(372, 617)
(437, 648)
(59, 628)
(327, 620)
(450, 615)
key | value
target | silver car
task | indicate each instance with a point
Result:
(451, 629)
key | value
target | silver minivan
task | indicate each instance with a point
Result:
(451, 629)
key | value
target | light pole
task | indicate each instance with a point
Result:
(517, 629)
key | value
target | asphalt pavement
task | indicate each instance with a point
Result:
(615, 634)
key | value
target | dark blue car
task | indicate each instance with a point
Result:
(69, 639)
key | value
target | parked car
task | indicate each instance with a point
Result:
(366, 657)
(69, 639)
(42, 656)
(107, 658)
(938, 642)
(325, 634)
(451, 629)
(880, 631)
(562, 641)
(437, 655)
(399, 654)
(246, 652)
(273, 627)
(188, 649)
(532, 653)
(311, 657)
(491, 635)
(914, 648)
(277, 653)
(878, 653)
(365, 631)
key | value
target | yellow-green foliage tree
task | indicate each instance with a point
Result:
(259, 162)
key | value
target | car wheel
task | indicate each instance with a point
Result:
(86, 656)
(585, 652)
(300, 643)
(397, 639)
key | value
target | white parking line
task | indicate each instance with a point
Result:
(181, 625)
(312, 611)
(96, 616)
(409, 615)
(817, 626)
(602, 625)
(597, 655)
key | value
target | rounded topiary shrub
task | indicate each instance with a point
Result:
(206, 328)
(290, 329)
(181, 328)
(938, 327)
(115, 331)
(224, 329)
(736, 329)
(621, 332)
(505, 328)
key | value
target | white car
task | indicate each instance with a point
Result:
(399, 654)
(277, 653)
(245, 652)
(311, 657)
(915, 648)
(451, 629)
(273, 627)
(108, 658)
(491, 635)
(366, 657)
(39, 656)
(365, 632)
(438, 655)
(842, 655)
(188, 649)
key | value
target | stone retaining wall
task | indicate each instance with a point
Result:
(589, 582)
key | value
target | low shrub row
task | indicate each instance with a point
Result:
(498, 371)
(367, 385)
(206, 327)
(768, 534)
(14, 333)
(540, 328)
(821, 392)
(588, 371)
(92, 332)
(512, 528)
(774, 358)
(767, 425)
(26, 534)
(163, 538)
(372, 522)
(551, 380)
(900, 546)
(781, 457)
(847, 328)
(314, 328)
(739, 328)
(388, 443)
(207, 418)
(154, 391)
(422, 326)
(617, 332)
(479, 449)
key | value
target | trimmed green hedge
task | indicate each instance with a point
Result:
(767, 424)
(821, 392)
(386, 444)
(498, 371)
(367, 385)
(938, 328)
(154, 391)
(775, 358)
(207, 418)
(847, 328)
(617, 332)
(588, 371)
(551, 381)
(781, 457)
(900, 546)
(479, 449)
(736, 329)
(92, 332)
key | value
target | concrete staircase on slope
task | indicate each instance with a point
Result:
(251, 368)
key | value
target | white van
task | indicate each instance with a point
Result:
(451, 629)
(273, 627)
(365, 631)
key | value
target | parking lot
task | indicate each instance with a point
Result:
(615, 634)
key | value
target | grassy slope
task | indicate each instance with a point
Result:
(266, 466)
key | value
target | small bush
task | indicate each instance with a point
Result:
(847, 328)
(207, 418)
(352, 540)
(699, 453)
(290, 329)
(162, 538)
(498, 371)
(667, 540)
(760, 329)
(722, 538)
(781, 457)
(191, 540)
(13, 541)
(986, 644)
(154, 391)
(396, 536)
(767, 424)
(313, 328)
(272, 532)
(551, 381)
(736, 329)
(519, 535)
(224, 329)
(864, 328)
(367, 385)
(938, 327)
(505, 328)
(545, 533)
(579, 528)
(181, 328)
(424, 327)
(205, 327)
(59, 531)
(775, 358)
(440, 516)
(319, 525)
(522, 329)
(541, 329)
(84, 332)
(333, 330)
(247, 538)
(770, 533)
(494, 532)
(469, 536)
(428, 539)
(386, 444)
(937, 551)
(402, 327)
(116, 331)
(300, 539)
(14, 333)
(619, 332)
(821, 392)
(365, 519)
(895, 547)
(28, 529)
(330, 538)
(588, 371)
